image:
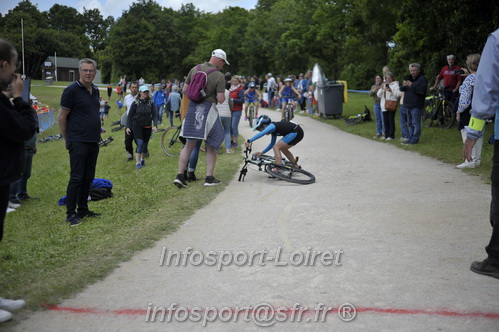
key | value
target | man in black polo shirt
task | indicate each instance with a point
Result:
(80, 126)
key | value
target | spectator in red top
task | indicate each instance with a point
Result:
(119, 92)
(451, 74)
(237, 95)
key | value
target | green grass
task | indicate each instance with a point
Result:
(43, 260)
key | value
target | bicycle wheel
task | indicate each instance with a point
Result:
(353, 120)
(171, 143)
(447, 116)
(251, 115)
(427, 114)
(287, 114)
(294, 175)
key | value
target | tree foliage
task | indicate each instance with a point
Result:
(351, 39)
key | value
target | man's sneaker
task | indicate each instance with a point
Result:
(138, 166)
(23, 198)
(5, 316)
(484, 267)
(403, 140)
(14, 205)
(89, 214)
(142, 162)
(129, 157)
(10, 305)
(73, 220)
(191, 177)
(211, 181)
(180, 181)
(9, 210)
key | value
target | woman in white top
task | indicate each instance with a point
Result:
(389, 91)
(225, 116)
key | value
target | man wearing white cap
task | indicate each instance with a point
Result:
(202, 121)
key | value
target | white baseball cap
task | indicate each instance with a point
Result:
(219, 53)
(269, 74)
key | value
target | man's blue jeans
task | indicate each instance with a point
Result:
(193, 158)
(404, 122)
(159, 112)
(414, 124)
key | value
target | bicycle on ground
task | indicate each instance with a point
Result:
(438, 108)
(284, 172)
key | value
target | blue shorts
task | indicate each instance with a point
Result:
(286, 99)
(293, 138)
(254, 101)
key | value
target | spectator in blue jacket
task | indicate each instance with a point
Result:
(159, 99)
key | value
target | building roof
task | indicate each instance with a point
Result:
(64, 62)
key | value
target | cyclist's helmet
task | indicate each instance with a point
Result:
(262, 119)
(288, 79)
(252, 85)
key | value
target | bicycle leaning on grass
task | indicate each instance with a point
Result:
(284, 172)
(438, 108)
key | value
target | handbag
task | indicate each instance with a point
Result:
(390, 105)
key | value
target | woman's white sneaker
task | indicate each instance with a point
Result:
(468, 164)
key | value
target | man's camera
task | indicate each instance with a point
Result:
(459, 72)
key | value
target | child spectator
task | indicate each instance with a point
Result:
(119, 106)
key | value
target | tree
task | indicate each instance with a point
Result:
(64, 18)
(141, 42)
(97, 28)
(427, 32)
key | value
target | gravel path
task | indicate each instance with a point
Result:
(395, 233)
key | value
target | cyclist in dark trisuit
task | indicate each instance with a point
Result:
(291, 132)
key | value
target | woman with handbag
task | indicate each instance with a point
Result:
(389, 94)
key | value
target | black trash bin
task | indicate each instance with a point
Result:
(330, 99)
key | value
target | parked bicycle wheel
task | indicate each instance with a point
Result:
(286, 173)
(251, 115)
(446, 115)
(171, 142)
(428, 115)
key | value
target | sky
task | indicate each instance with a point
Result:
(116, 7)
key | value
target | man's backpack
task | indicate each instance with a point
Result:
(197, 86)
